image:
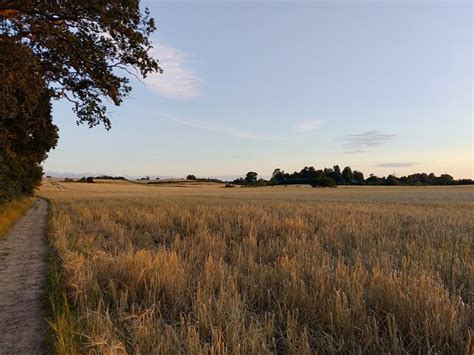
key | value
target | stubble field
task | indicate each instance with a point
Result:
(204, 269)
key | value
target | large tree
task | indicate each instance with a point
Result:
(348, 175)
(337, 176)
(251, 178)
(82, 51)
(26, 129)
(84, 48)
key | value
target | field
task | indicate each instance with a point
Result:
(205, 269)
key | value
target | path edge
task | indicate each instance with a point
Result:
(60, 336)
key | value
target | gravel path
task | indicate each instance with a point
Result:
(23, 269)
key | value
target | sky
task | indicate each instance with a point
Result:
(382, 86)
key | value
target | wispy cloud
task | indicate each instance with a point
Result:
(308, 126)
(362, 142)
(396, 165)
(177, 81)
(230, 131)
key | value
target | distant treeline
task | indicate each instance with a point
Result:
(194, 178)
(107, 177)
(328, 177)
(90, 179)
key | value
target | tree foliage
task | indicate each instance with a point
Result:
(333, 176)
(251, 178)
(26, 129)
(81, 47)
(348, 175)
(83, 51)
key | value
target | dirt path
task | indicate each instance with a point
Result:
(23, 269)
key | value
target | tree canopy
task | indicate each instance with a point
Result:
(82, 51)
(331, 177)
(26, 129)
(251, 178)
(81, 47)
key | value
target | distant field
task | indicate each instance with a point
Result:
(205, 269)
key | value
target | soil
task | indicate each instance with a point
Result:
(23, 269)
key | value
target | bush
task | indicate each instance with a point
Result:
(261, 182)
(18, 177)
(107, 177)
(323, 182)
(229, 185)
(88, 179)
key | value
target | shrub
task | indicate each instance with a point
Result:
(261, 182)
(323, 182)
(88, 179)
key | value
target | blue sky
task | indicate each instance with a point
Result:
(382, 86)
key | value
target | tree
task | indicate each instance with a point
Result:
(358, 177)
(444, 179)
(328, 172)
(275, 173)
(62, 49)
(323, 182)
(374, 180)
(80, 46)
(191, 177)
(88, 179)
(278, 176)
(239, 181)
(348, 175)
(261, 182)
(251, 178)
(337, 176)
(26, 129)
(392, 180)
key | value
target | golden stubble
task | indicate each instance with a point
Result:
(203, 269)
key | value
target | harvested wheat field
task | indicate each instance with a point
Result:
(204, 269)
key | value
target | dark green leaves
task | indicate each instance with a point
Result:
(84, 48)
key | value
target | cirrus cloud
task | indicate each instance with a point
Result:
(211, 126)
(178, 81)
(362, 142)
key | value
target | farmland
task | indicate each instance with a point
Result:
(204, 269)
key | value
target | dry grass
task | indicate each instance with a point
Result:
(270, 270)
(11, 211)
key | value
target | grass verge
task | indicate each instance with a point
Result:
(61, 336)
(11, 211)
